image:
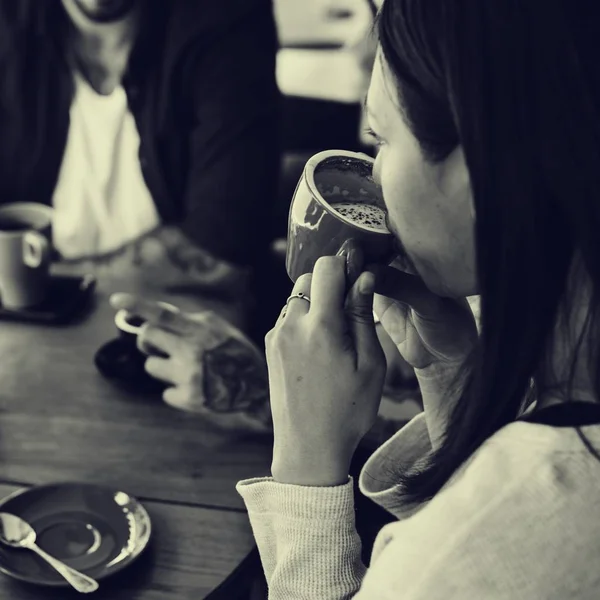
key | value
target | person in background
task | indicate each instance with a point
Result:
(152, 130)
(486, 117)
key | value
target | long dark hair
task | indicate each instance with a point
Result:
(517, 85)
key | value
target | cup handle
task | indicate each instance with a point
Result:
(36, 249)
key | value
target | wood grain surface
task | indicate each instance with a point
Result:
(60, 420)
(191, 552)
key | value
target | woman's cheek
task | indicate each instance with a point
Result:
(390, 186)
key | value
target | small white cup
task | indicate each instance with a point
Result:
(131, 331)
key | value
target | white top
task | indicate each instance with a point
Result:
(312, 21)
(520, 521)
(101, 200)
(333, 75)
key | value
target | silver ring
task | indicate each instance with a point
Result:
(300, 295)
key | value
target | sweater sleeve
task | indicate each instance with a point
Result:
(406, 451)
(306, 536)
(517, 521)
(307, 539)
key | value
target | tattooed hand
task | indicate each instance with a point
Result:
(214, 370)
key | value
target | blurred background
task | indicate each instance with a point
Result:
(323, 71)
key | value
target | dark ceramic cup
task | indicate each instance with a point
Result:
(316, 228)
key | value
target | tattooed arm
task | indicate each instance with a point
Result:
(212, 367)
(167, 260)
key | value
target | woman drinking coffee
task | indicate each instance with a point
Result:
(486, 116)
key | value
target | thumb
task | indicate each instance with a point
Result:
(359, 311)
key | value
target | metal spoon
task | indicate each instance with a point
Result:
(16, 532)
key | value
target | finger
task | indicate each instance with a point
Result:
(297, 307)
(399, 327)
(426, 308)
(381, 304)
(359, 311)
(393, 316)
(328, 288)
(181, 397)
(152, 339)
(173, 397)
(359, 302)
(355, 260)
(281, 315)
(158, 313)
(161, 368)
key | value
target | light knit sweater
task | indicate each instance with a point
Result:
(520, 520)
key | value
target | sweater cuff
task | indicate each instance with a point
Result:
(265, 495)
(307, 539)
(404, 452)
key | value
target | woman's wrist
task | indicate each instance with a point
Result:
(310, 480)
(436, 383)
(437, 376)
(312, 473)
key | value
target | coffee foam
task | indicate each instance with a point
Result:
(364, 215)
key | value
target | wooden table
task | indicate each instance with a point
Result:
(60, 420)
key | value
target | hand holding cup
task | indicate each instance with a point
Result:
(210, 367)
(427, 329)
(326, 373)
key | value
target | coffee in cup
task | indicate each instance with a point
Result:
(362, 215)
(337, 200)
(24, 254)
